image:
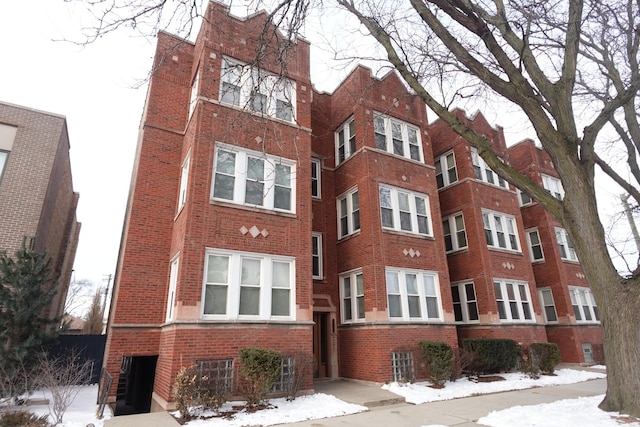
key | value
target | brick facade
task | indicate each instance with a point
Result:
(370, 140)
(36, 188)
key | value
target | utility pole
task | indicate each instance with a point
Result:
(106, 294)
(632, 223)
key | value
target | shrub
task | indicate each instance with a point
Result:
(544, 356)
(438, 357)
(61, 376)
(260, 368)
(192, 393)
(302, 369)
(491, 355)
(22, 418)
(461, 361)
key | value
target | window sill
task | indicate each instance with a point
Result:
(348, 236)
(504, 251)
(458, 251)
(217, 202)
(407, 234)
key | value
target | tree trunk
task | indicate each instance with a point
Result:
(621, 338)
(618, 299)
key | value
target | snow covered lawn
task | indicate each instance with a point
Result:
(420, 392)
(569, 412)
(583, 411)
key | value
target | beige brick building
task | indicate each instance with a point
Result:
(36, 190)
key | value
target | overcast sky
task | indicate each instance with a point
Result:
(94, 88)
(101, 91)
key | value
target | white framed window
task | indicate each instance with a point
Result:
(553, 185)
(348, 213)
(345, 141)
(465, 302)
(446, 172)
(253, 178)
(184, 181)
(524, 198)
(484, 173)
(245, 285)
(316, 255)
(584, 305)
(405, 211)
(171, 297)
(194, 93)
(535, 245)
(500, 231)
(352, 296)
(257, 90)
(548, 305)
(565, 245)
(397, 137)
(455, 235)
(513, 300)
(413, 295)
(316, 187)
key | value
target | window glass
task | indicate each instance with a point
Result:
(244, 285)
(397, 137)
(256, 179)
(257, 90)
(404, 211)
(412, 295)
(352, 294)
(484, 173)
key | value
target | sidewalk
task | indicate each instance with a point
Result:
(461, 412)
(389, 409)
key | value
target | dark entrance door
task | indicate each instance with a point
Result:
(135, 385)
(320, 345)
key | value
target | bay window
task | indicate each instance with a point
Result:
(513, 300)
(244, 285)
(584, 305)
(257, 90)
(397, 137)
(413, 295)
(455, 236)
(446, 172)
(352, 296)
(500, 231)
(252, 178)
(565, 245)
(484, 173)
(548, 305)
(465, 303)
(345, 141)
(348, 213)
(405, 211)
(535, 245)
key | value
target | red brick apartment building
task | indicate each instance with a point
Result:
(570, 312)
(36, 190)
(265, 213)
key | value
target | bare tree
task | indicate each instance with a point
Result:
(569, 66)
(94, 316)
(78, 294)
(62, 377)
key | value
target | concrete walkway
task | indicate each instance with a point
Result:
(389, 409)
(456, 412)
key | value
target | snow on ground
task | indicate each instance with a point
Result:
(419, 392)
(577, 412)
(304, 408)
(582, 411)
(80, 413)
